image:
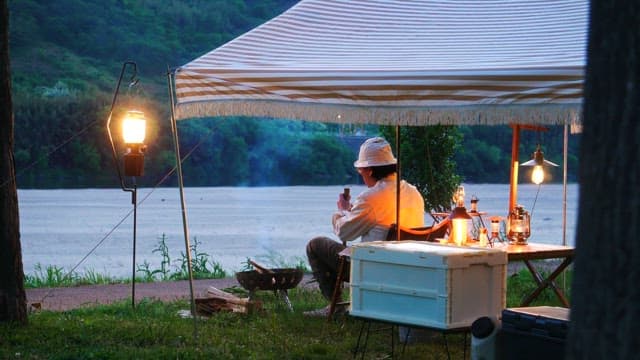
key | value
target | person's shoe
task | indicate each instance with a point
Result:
(341, 309)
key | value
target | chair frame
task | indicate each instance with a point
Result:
(428, 233)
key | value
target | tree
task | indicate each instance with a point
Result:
(426, 161)
(605, 314)
(13, 306)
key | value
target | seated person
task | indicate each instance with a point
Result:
(369, 217)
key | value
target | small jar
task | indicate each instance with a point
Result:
(483, 238)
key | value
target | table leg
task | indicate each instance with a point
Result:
(358, 347)
(549, 281)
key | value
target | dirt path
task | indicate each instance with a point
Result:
(60, 299)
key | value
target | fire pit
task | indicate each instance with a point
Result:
(278, 280)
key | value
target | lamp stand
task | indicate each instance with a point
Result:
(134, 201)
(139, 161)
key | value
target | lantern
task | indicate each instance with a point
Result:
(459, 219)
(495, 229)
(519, 225)
(133, 134)
(474, 204)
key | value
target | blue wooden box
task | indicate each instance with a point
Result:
(426, 284)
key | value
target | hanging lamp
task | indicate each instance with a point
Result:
(538, 161)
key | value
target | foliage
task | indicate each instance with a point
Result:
(86, 39)
(202, 266)
(485, 153)
(426, 160)
(66, 56)
(199, 265)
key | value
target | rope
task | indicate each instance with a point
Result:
(99, 243)
(55, 149)
(535, 200)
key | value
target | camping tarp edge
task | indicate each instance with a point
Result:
(547, 114)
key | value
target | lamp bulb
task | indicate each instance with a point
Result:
(133, 127)
(537, 175)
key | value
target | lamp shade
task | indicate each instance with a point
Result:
(537, 161)
(134, 127)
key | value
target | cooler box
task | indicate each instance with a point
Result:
(427, 284)
(537, 332)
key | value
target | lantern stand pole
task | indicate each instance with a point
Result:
(133, 190)
(134, 201)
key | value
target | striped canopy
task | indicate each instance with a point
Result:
(399, 62)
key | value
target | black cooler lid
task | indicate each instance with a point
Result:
(548, 321)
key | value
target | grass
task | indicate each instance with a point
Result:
(520, 284)
(153, 330)
(202, 266)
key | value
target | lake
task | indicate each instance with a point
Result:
(269, 224)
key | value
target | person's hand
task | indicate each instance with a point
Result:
(343, 202)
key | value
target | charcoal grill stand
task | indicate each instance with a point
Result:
(282, 293)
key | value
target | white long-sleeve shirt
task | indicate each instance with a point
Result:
(374, 210)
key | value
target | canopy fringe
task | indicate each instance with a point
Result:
(547, 114)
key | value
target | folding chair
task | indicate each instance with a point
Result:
(427, 233)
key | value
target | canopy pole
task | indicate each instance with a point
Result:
(513, 189)
(398, 174)
(185, 227)
(565, 156)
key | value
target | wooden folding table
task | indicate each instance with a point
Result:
(536, 251)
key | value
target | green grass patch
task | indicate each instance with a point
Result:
(521, 284)
(154, 330)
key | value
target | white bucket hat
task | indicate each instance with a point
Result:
(375, 152)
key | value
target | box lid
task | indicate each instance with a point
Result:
(548, 321)
(427, 254)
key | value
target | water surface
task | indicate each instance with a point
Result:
(231, 224)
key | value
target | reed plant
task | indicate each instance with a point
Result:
(202, 265)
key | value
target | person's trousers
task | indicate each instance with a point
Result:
(323, 256)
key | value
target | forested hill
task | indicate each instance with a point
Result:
(82, 44)
(66, 56)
